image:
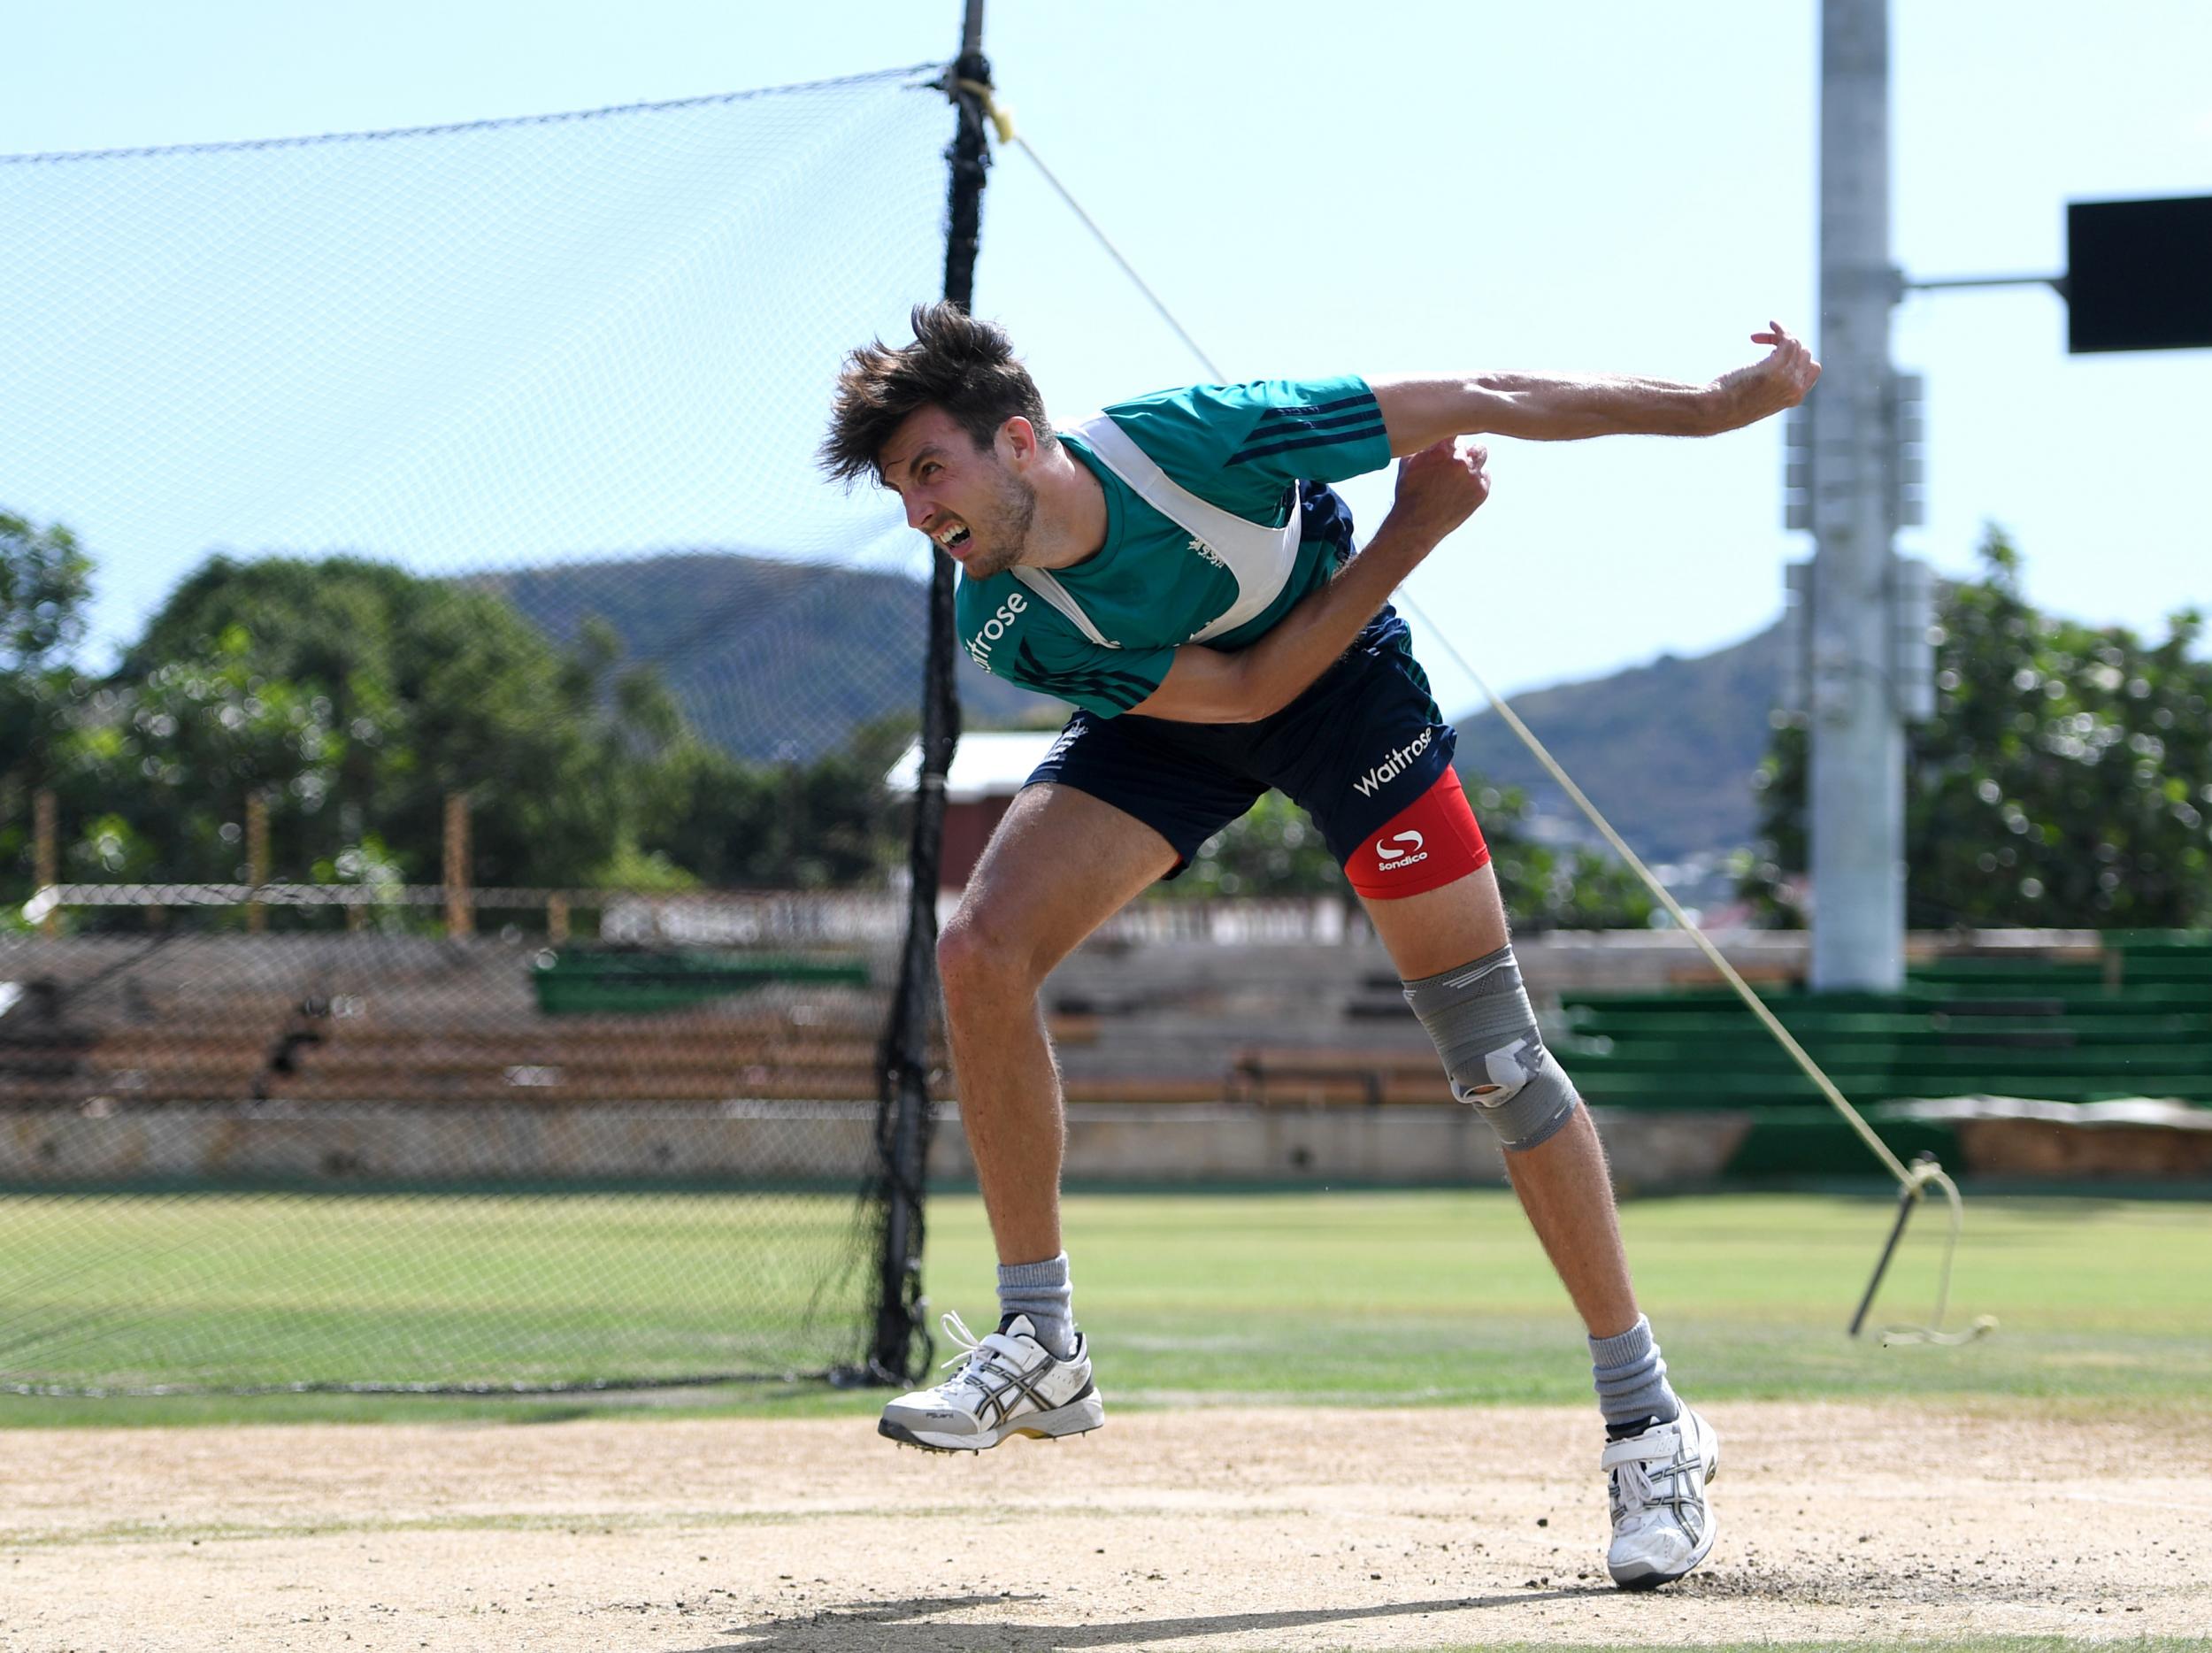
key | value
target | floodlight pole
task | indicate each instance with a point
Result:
(901, 1348)
(1857, 802)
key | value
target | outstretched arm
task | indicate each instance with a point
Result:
(1561, 407)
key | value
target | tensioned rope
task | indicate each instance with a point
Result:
(493, 124)
(1912, 1179)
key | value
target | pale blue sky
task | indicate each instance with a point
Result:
(1422, 186)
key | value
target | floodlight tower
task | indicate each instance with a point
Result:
(1859, 618)
(1861, 659)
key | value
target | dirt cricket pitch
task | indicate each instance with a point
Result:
(1206, 1528)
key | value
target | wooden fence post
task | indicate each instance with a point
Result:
(460, 913)
(45, 852)
(256, 858)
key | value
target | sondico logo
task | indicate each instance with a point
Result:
(1394, 860)
(1393, 765)
(996, 628)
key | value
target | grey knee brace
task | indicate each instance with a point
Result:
(1485, 1029)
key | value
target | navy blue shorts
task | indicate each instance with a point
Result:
(1360, 745)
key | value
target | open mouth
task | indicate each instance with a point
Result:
(955, 540)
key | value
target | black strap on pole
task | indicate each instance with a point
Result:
(902, 1347)
(970, 159)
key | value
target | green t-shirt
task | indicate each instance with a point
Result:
(1153, 585)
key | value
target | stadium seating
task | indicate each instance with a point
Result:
(2136, 1021)
(2074, 1028)
(275, 1050)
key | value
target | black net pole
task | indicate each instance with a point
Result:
(902, 1348)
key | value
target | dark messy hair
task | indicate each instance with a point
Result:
(956, 362)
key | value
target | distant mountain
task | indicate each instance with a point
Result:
(771, 658)
(1666, 751)
(768, 658)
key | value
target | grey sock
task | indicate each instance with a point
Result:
(1632, 1380)
(1043, 1292)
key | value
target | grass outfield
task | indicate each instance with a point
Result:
(1355, 1297)
(1415, 1297)
(240, 1290)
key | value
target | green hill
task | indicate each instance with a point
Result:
(772, 660)
(1666, 751)
(769, 659)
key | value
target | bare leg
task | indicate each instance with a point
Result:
(1060, 865)
(1563, 1183)
(1568, 1194)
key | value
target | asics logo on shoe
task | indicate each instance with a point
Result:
(1393, 764)
(1397, 860)
(994, 628)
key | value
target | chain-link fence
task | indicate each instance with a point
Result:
(409, 543)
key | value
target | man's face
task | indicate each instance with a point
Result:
(971, 501)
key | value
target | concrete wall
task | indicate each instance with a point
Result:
(1230, 1144)
(1167, 1003)
(816, 1142)
(338, 1143)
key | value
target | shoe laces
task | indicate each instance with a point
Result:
(978, 1357)
(1637, 1490)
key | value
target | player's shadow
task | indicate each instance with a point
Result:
(906, 1627)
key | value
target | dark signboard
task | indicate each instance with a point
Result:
(2139, 274)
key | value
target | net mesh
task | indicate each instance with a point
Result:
(421, 529)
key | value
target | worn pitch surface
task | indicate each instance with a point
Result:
(1217, 1527)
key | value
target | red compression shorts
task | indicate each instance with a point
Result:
(1425, 846)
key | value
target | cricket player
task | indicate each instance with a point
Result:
(1178, 568)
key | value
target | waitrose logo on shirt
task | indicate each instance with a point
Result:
(997, 626)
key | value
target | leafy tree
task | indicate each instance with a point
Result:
(2064, 781)
(1580, 888)
(822, 824)
(353, 696)
(45, 583)
(1272, 849)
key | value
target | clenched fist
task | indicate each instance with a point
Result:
(1440, 487)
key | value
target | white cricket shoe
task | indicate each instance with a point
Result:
(1660, 1526)
(1009, 1385)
